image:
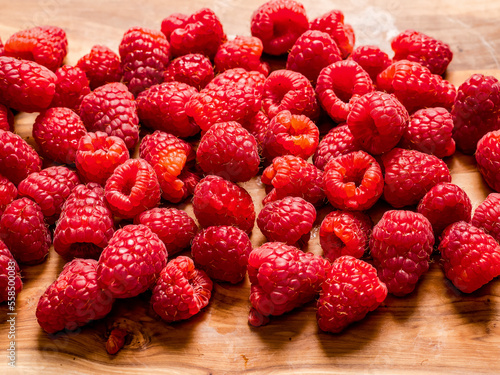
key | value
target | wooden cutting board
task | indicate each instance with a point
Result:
(436, 329)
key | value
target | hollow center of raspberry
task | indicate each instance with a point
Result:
(127, 187)
(343, 90)
(355, 176)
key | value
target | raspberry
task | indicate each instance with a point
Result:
(416, 46)
(220, 202)
(144, 56)
(340, 85)
(238, 77)
(8, 192)
(222, 252)
(278, 23)
(111, 108)
(57, 132)
(10, 275)
(333, 24)
(181, 290)
(353, 181)
(132, 188)
(372, 59)
(345, 233)
(131, 262)
(293, 176)
(312, 51)
(97, 156)
(410, 174)
(470, 257)
(488, 158)
(71, 86)
(288, 90)
(24, 232)
(17, 158)
(2, 50)
(241, 52)
(46, 45)
(283, 278)
(257, 126)
(193, 69)
(6, 119)
(228, 150)
(163, 107)
(49, 188)
(487, 216)
(25, 85)
(175, 228)
(476, 111)
(288, 220)
(351, 290)
(172, 22)
(101, 66)
(401, 246)
(338, 141)
(74, 299)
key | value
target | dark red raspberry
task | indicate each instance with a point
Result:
(278, 23)
(401, 246)
(193, 69)
(25, 85)
(353, 181)
(74, 299)
(172, 22)
(345, 233)
(17, 157)
(487, 216)
(351, 290)
(112, 109)
(181, 290)
(340, 85)
(488, 158)
(8, 192)
(175, 228)
(283, 278)
(410, 174)
(469, 256)
(101, 65)
(476, 111)
(220, 202)
(333, 24)
(372, 59)
(49, 188)
(24, 231)
(10, 275)
(6, 119)
(57, 132)
(293, 176)
(144, 55)
(222, 252)
(46, 45)
(338, 141)
(241, 52)
(71, 86)
(416, 46)
(132, 188)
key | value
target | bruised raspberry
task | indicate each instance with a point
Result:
(101, 66)
(372, 59)
(6, 119)
(338, 141)
(10, 275)
(487, 216)
(8, 192)
(333, 24)
(488, 158)
(192, 69)
(71, 86)
(241, 52)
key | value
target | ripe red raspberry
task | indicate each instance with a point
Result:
(112, 109)
(175, 228)
(353, 181)
(488, 158)
(288, 220)
(339, 85)
(487, 216)
(241, 52)
(416, 46)
(288, 90)
(101, 65)
(278, 23)
(132, 188)
(8, 192)
(338, 141)
(351, 290)
(293, 176)
(220, 202)
(193, 69)
(71, 86)
(410, 174)
(372, 59)
(181, 290)
(144, 55)
(131, 262)
(24, 231)
(17, 157)
(470, 257)
(238, 76)
(172, 22)
(74, 299)
(345, 233)
(6, 119)
(222, 252)
(10, 275)
(257, 126)
(25, 85)
(57, 132)
(444, 204)
(476, 111)
(97, 156)
(46, 45)
(401, 247)
(283, 278)
(312, 51)
(49, 188)
(333, 24)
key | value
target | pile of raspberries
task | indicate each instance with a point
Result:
(204, 114)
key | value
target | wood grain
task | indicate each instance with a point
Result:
(436, 329)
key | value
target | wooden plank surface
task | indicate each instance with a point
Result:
(436, 329)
